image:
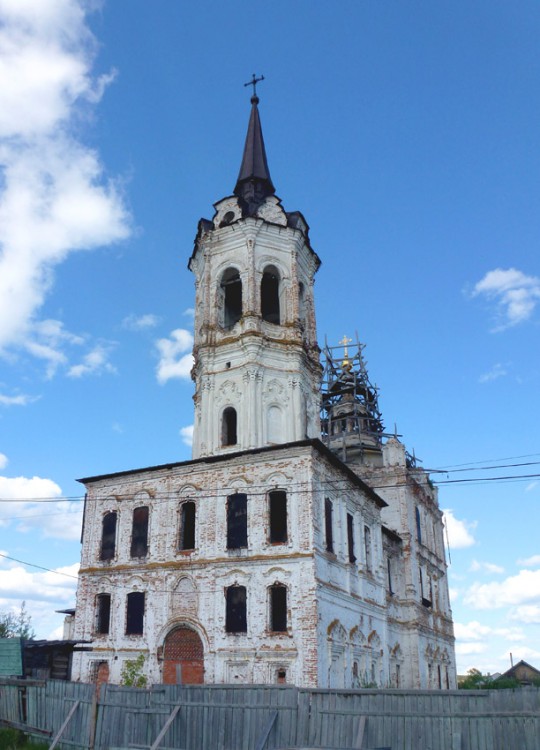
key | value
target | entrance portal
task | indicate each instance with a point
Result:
(183, 658)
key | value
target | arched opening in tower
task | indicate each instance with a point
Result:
(228, 427)
(270, 296)
(231, 286)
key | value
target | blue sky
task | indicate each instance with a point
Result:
(406, 133)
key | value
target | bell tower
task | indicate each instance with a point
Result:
(257, 370)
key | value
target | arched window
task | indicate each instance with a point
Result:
(186, 537)
(270, 295)
(108, 536)
(135, 613)
(235, 613)
(228, 427)
(139, 532)
(277, 511)
(237, 521)
(103, 613)
(278, 608)
(231, 286)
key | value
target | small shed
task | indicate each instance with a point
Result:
(48, 659)
(11, 664)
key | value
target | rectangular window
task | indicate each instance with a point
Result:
(367, 547)
(328, 525)
(277, 501)
(108, 536)
(350, 537)
(135, 613)
(186, 539)
(389, 569)
(103, 613)
(235, 615)
(278, 609)
(236, 521)
(139, 533)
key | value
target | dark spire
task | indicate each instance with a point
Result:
(254, 183)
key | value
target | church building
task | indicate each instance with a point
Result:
(300, 544)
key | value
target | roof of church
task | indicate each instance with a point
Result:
(223, 457)
(254, 167)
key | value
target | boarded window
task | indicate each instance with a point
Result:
(108, 536)
(139, 532)
(229, 427)
(367, 547)
(350, 538)
(418, 525)
(328, 525)
(236, 521)
(235, 617)
(135, 613)
(277, 501)
(231, 286)
(186, 538)
(270, 296)
(278, 608)
(103, 613)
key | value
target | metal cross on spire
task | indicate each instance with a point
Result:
(254, 81)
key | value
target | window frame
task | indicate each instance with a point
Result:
(235, 621)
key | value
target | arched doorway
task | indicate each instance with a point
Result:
(183, 658)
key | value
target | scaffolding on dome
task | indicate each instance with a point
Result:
(350, 414)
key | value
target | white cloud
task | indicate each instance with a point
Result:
(54, 197)
(519, 589)
(477, 565)
(174, 362)
(3, 460)
(60, 519)
(186, 433)
(459, 532)
(189, 312)
(530, 487)
(515, 294)
(497, 371)
(20, 400)
(140, 322)
(474, 647)
(20, 584)
(529, 614)
(530, 562)
(475, 632)
(95, 362)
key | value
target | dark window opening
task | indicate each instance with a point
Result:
(439, 676)
(278, 609)
(418, 525)
(135, 613)
(398, 675)
(227, 219)
(103, 619)
(367, 546)
(186, 539)
(232, 293)
(328, 526)
(235, 617)
(270, 296)
(139, 532)
(108, 536)
(389, 569)
(281, 676)
(278, 516)
(350, 537)
(228, 427)
(236, 521)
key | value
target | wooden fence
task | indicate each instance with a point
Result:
(264, 717)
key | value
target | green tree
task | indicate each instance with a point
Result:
(132, 673)
(17, 625)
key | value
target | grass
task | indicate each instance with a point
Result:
(13, 739)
